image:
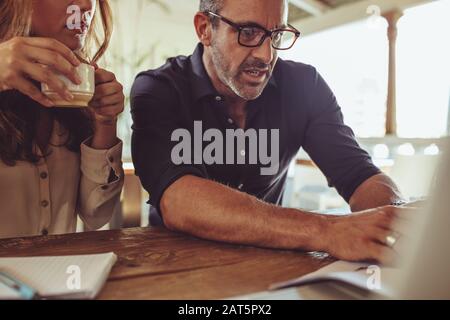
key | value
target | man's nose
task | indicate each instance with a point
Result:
(265, 52)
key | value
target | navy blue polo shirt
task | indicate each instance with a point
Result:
(296, 101)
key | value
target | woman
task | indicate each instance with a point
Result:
(56, 163)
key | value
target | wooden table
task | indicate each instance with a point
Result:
(155, 263)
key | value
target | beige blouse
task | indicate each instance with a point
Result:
(45, 198)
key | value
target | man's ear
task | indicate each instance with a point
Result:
(203, 28)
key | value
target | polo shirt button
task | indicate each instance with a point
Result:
(44, 203)
(44, 232)
(44, 175)
(230, 121)
(241, 186)
(218, 98)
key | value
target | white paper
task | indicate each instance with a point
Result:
(356, 274)
(70, 277)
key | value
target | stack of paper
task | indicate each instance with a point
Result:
(65, 277)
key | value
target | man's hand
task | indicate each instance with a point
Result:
(364, 236)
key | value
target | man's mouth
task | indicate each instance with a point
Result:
(256, 74)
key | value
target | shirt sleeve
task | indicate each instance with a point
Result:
(101, 183)
(156, 114)
(331, 144)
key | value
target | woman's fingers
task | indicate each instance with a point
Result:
(103, 76)
(53, 45)
(109, 111)
(27, 88)
(107, 89)
(54, 60)
(45, 75)
(108, 100)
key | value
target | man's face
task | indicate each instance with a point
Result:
(246, 71)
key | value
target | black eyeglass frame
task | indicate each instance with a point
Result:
(267, 33)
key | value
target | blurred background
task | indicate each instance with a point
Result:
(387, 61)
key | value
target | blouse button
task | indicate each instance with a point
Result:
(44, 203)
(44, 175)
(111, 159)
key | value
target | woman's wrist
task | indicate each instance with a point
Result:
(104, 121)
(105, 134)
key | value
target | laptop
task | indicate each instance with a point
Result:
(425, 261)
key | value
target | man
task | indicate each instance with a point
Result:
(235, 81)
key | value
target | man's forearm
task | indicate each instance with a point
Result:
(213, 211)
(377, 191)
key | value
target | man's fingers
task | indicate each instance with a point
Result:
(54, 60)
(382, 254)
(382, 236)
(54, 45)
(27, 88)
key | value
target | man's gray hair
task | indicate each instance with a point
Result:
(211, 5)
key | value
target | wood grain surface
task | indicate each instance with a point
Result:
(155, 263)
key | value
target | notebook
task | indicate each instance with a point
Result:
(63, 277)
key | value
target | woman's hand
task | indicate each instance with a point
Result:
(31, 58)
(108, 102)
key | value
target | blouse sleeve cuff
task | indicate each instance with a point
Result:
(96, 164)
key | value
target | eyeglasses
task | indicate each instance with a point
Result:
(253, 35)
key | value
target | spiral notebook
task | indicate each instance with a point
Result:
(63, 277)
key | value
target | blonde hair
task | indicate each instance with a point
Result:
(15, 18)
(100, 32)
(15, 21)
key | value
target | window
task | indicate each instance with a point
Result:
(423, 71)
(353, 60)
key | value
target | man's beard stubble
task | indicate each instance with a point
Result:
(231, 81)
